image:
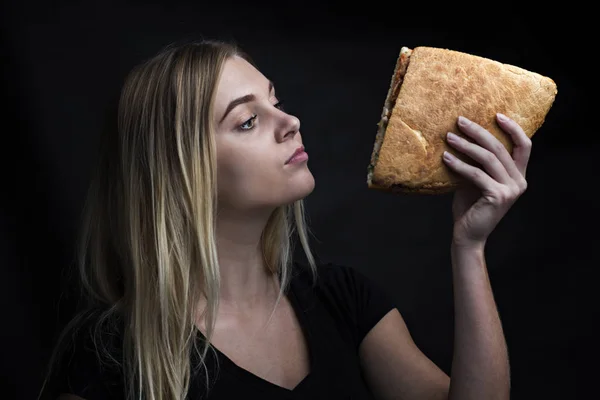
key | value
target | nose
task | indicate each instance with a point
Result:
(288, 127)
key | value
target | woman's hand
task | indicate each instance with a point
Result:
(477, 208)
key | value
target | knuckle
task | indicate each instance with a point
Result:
(522, 184)
(498, 147)
(507, 196)
(476, 173)
(499, 199)
(512, 193)
(490, 157)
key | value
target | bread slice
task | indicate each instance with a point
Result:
(429, 90)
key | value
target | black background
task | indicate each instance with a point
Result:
(63, 64)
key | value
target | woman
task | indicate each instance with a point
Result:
(186, 248)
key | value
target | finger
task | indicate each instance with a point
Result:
(491, 143)
(486, 158)
(473, 174)
(522, 147)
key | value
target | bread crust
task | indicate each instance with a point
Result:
(440, 85)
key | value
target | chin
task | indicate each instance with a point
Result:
(300, 187)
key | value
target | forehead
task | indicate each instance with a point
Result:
(239, 78)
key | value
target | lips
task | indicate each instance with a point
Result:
(298, 151)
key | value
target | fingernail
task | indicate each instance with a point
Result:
(452, 136)
(463, 121)
(502, 117)
(448, 156)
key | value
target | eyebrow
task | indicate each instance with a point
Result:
(241, 100)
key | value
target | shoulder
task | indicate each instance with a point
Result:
(348, 294)
(336, 277)
(325, 270)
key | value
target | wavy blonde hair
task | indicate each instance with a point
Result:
(147, 249)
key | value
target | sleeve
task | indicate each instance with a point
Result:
(361, 299)
(83, 372)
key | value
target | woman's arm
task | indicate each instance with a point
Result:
(480, 366)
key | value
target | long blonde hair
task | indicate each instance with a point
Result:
(147, 249)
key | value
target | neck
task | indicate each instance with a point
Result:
(246, 283)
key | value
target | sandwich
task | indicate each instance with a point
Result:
(430, 88)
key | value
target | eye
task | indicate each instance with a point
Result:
(249, 124)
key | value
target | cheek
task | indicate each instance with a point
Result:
(255, 177)
(246, 172)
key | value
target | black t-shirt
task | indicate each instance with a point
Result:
(335, 316)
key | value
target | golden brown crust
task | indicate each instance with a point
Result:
(440, 85)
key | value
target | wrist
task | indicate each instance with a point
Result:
(462, 245)
(467, 255)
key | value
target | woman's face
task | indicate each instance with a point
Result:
(255, 139)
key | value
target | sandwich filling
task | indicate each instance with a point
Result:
(390, 101)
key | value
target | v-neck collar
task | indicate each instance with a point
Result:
(308, 331)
